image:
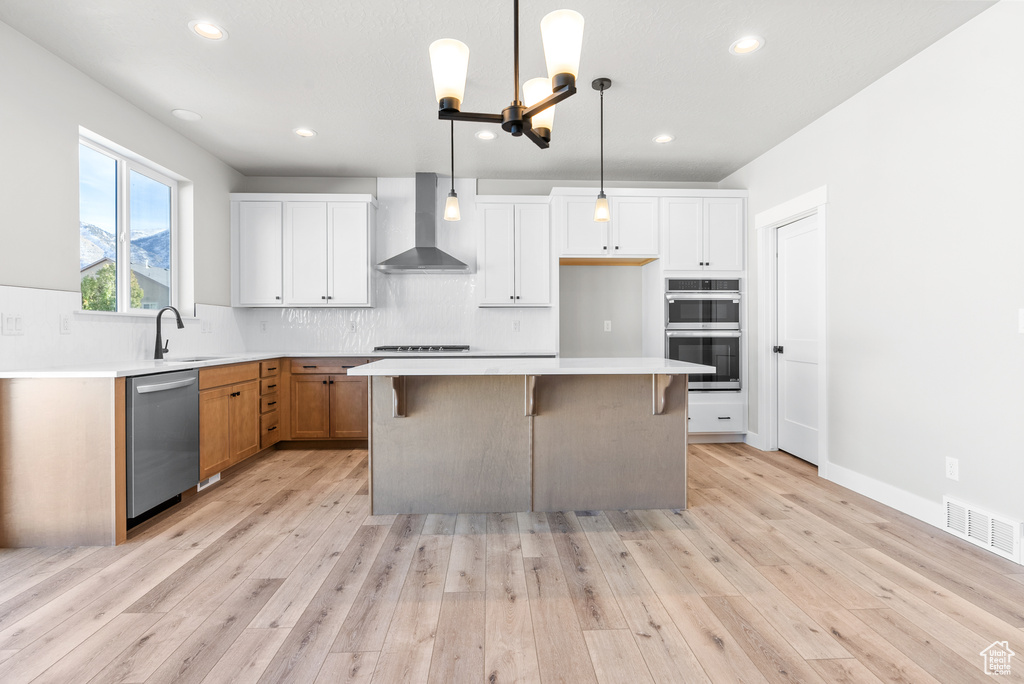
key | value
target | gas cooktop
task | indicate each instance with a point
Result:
(424, 348)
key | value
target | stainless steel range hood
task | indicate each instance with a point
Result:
(425, 257)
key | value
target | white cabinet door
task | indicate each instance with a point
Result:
(306, 255)
(533, 255)
(684, 233)
(259, 253)
(634, 226)
(349, 248)
(581, 234)
(723, 228)
(496, 254)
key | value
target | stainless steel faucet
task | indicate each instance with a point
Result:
(161, 348)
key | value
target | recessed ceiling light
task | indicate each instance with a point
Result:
(486, 135)
(186, 114)
(305, 132)
(664, 138)
(208, 30)
(746, 45)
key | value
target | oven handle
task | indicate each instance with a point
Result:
(677, 296)
(702, 333)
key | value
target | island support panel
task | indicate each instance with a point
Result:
(461, 447)
(598, 445)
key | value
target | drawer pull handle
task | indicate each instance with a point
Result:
(724, 417)
(272, 368)
(309, 366)
(271, 429)
(271, 386)
(271, 403)
(235, 394)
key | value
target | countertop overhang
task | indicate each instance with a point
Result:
(531, 366)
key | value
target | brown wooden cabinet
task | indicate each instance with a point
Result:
(328, 406)
(229, 417)
(270, 402)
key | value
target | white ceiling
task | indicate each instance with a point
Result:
(359, 74)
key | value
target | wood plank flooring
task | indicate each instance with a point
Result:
(279, 574)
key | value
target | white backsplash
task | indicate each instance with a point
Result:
(97, 338)
(409, 309)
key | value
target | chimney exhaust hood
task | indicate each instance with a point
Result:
(425, 257)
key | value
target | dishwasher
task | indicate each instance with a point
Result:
(162, 438)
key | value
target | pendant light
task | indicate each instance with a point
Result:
(451, 205)
(601, 211)
(562, 35)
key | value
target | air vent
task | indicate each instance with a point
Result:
(995, 533)
(213, 479)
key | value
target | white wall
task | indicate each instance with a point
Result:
(590, 295)
(44, 101)
(925, 277)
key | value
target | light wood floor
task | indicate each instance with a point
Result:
(279, 574)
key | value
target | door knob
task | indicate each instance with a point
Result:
(777, 349)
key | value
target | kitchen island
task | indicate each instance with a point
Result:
(499, 435)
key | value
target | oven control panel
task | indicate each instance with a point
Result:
(698, 285)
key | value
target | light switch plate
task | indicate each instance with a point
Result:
(12, 324)
(607, 326)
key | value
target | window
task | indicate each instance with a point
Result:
(127, 218)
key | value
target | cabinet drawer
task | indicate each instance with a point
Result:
(270, 368)
(270, 432)
(228, 375)
(268, 386)
(268, 402)
(718, 417)
(338, 365)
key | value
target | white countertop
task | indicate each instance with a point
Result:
(149, 366)
(557, 366)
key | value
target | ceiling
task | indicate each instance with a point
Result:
(358, 73)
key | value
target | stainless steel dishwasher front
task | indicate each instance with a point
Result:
(162, 438)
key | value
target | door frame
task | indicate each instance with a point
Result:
(767, 224)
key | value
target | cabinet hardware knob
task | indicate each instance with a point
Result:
(323, 297)
(616, 246)
(517, 296)
(330, 297)
(511, 297)
(325, 382)
(272, 403)
(277, 296)
(271, 429)
(605, 247)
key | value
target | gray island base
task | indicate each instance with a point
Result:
(564, 436)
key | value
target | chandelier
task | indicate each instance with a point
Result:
(533, 116)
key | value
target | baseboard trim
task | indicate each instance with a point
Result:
(754, 440)
(913, 505)
(715, 438)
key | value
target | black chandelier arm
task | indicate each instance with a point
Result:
(563, 93)
(456, 115)
(531, 133)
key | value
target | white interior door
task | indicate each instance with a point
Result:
(798, 287)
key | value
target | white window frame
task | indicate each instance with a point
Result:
(126, 164)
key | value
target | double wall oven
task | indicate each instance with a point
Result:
(702, 325)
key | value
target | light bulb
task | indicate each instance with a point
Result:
(562, 34)
(535, 90)
(601, 211)
(451, 207)
(449, 62)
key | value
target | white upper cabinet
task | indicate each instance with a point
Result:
(302, 250)
(256, 229)
(703, 234)
(514, 255)
(305, 253)
(632, 231)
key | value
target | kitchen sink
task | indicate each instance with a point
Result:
(193, 359)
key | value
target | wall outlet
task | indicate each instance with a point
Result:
(206, 326)
(263, 326)
(515, 326)
(65, 324)
(952, 468)
(12, 324)
(607, 326)
(351, 326)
